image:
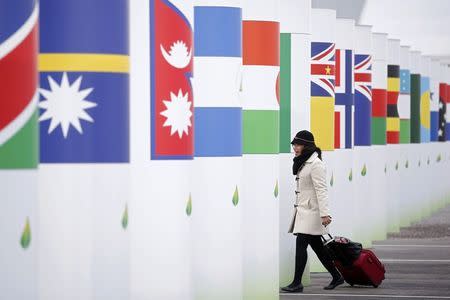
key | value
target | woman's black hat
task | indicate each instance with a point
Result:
(303, 137)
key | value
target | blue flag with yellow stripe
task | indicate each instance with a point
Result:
(84, 77)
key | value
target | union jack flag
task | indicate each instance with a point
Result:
(322, 69)
(363, 100)
(363, 75)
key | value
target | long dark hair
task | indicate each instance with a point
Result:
(311, 147)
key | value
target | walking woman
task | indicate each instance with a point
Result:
(311, 213)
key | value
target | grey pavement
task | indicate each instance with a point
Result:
(417, 261)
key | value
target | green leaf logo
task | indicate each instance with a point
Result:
(125, 217)
(364, 170)
(350, 176)
(428, 161)
(236, 196)
(396, 166)
(275, 191)
(189, 206)
(407, 164)
(438, 159)
(419, 163)
(25, 239)
(332, 179)
(385, 168)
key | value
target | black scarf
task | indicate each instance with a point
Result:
(300, 160)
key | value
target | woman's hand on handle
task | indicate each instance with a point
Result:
(326, 221)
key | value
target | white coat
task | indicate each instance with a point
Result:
(311, 201)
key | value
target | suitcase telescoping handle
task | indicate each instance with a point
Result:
(325, 241)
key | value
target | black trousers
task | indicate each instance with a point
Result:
(301, 256)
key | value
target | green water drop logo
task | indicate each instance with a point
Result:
(407, 164)
(385, 168)
(420, 163)
(125, 217)
(350, 176)
(275, 191)
(364, 170)
(439, 158)
(25, 239)
(428, 160)
(235, 196)
(396, 166)
(332, 179)
(189, 206)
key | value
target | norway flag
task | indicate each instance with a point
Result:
(171, 69)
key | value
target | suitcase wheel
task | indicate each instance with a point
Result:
(375, 286)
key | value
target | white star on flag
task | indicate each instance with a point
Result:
(65, 105)
(178, 113)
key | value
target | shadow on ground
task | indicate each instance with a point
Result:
(417, 261)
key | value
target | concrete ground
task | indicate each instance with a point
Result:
(417, 262)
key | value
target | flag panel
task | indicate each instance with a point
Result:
(447, 118)
(415, 108)
(404, 106)
(363, 99)
(393, 90)
(344, 89)
(321, 124)
(261, 43)
(322, 93)
(442, 111)
(425, 109)
(171, 69)
(285, 92)
(83, 119)
(260, 131)
(260, 86)
(215, 31)
(212, 138)
(83, 26)
(18, 13)
(18, 95)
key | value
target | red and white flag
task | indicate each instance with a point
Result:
(171, 70)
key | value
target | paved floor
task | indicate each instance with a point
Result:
(417, 262)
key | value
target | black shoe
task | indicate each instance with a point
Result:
(293, 288)
(334, 283)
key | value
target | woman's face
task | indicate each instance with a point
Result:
(297, 149)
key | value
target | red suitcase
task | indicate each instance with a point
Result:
(366, 270)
